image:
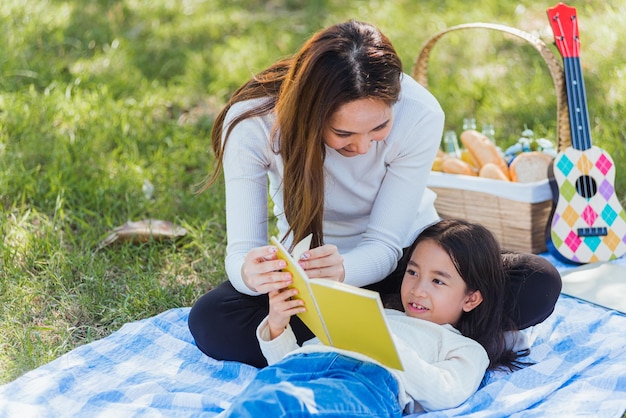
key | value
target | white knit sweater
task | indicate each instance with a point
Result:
(375, 204)
(442, 368)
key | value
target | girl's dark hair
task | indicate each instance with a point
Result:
(475, 253)
(345, 62)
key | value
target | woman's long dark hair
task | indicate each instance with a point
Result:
(475, 253)
(345, 62)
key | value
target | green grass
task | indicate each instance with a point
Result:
(98, 97)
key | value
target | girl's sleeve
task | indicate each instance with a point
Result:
(447, 383)
(246, 163)
(274, 350)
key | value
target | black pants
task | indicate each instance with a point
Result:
(223, 321)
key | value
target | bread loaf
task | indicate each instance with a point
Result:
(455, 166)
(492, 171)
(530, 166)
(483, 150)
(437, 164)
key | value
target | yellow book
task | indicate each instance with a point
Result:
(341, 315)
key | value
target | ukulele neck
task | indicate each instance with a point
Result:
(577, 103)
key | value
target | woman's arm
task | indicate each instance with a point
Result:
(247, 159)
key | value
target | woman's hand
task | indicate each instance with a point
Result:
(323, 262)
(282, 308)
(261, 270)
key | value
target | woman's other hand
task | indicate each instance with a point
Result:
(261, 270)
(323, 262)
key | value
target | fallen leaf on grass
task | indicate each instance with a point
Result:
(144, 230)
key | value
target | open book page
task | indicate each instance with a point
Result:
(356, 321)
(341, 315)
(301, 247)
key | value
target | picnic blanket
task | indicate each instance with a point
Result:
(152, 368)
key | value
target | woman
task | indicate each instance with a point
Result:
(347, 141)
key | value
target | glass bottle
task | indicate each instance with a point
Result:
(469, 123)
(450, 144)
(489, 132)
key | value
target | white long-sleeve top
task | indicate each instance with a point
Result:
(442, 368)
(374, 206)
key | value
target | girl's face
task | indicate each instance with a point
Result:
(432, 289)
(353, 128)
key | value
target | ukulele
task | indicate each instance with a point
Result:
(588, 224)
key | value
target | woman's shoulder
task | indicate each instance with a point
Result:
(251, 134)
(249, 127)
(417, 113)
(241, 107)
(414, 95)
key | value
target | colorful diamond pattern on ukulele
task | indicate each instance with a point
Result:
(565, 165)
(584, 165)
(609, 215)
(592, 242)
(570, 216)
(572, 241)
(604, 164)
(589, 215)
(574, 211)
(606, 189)
(568, 191)
(612, 240)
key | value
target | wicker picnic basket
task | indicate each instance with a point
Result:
(518, 225)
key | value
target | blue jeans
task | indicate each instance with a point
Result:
(320, 384)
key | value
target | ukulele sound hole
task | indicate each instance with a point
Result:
(586, 186)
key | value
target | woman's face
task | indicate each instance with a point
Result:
(353, 128)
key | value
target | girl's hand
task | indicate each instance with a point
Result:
(282, 308)
(261, 270)
(323, 262)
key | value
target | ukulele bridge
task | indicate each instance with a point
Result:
(593, 232)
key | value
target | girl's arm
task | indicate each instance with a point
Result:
(447, 383)
(275, 349)
(275, 336)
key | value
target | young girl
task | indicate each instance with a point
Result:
(451, 331)
(342, 142)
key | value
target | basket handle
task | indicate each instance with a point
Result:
(420, 70)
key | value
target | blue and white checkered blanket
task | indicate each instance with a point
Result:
(152, 368)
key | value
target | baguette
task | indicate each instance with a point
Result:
(530, 166)
(492, 171)
(437, 164)
(483, 150)
(455, 166)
